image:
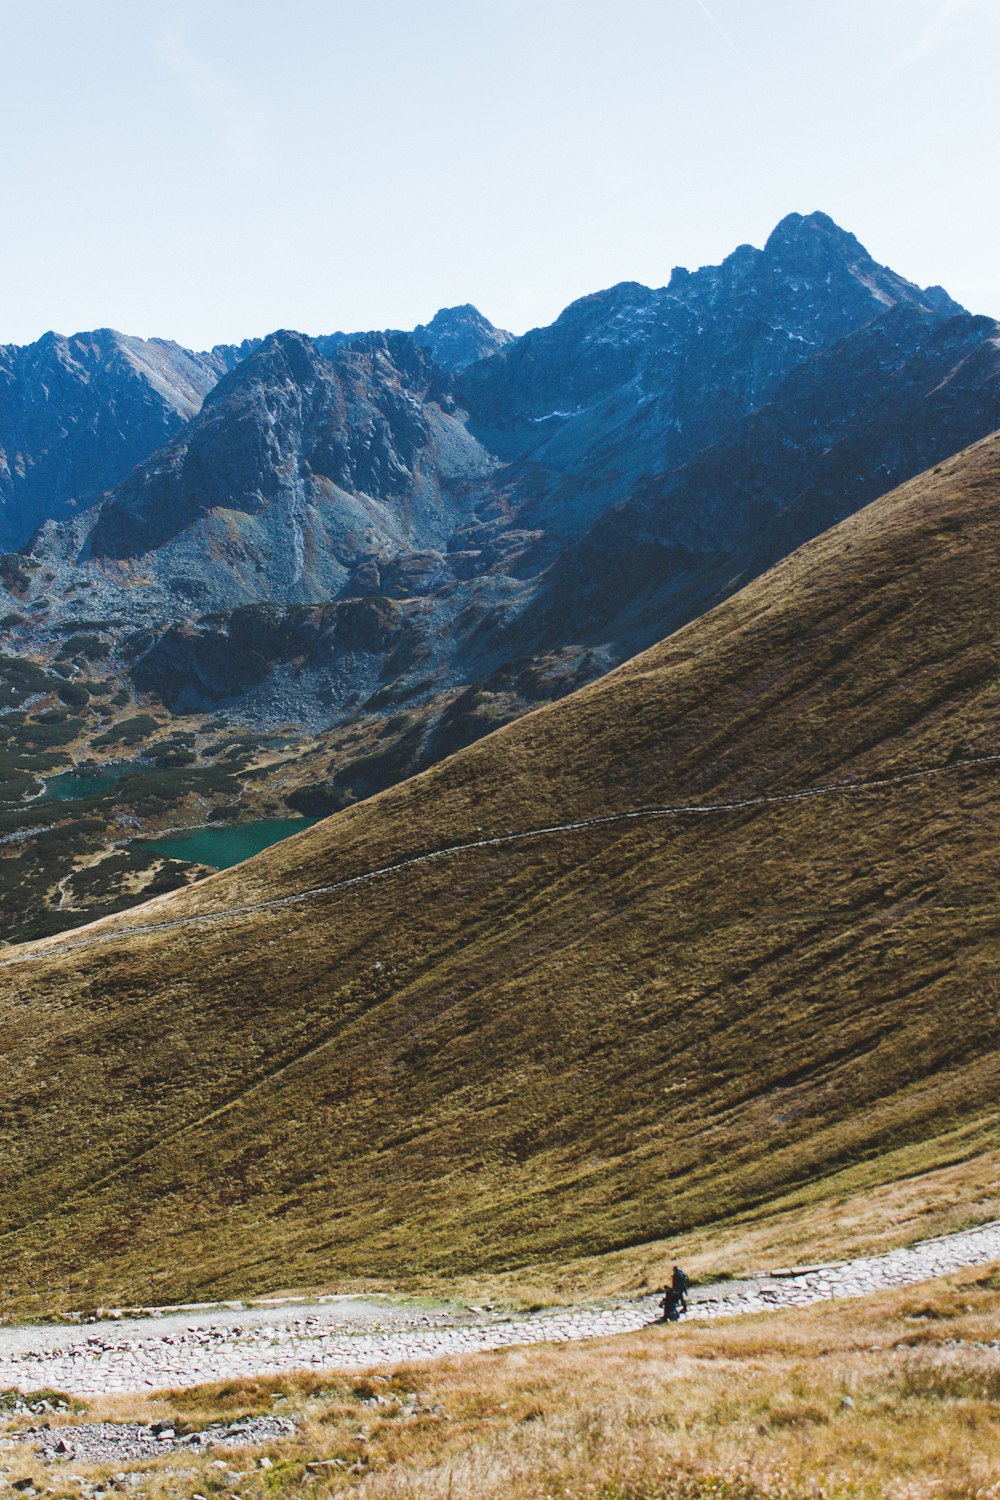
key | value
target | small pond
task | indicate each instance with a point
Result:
(70, 786)
(228, 844)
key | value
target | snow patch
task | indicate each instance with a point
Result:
(561, 415)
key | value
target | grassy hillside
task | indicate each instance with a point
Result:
(664, 1030)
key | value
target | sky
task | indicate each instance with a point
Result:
(209, 170)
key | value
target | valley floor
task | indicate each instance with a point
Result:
(344, 1333)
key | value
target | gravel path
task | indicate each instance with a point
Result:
(344, 1333)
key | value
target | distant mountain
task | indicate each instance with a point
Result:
(358, 446)
(616, 1038)
(76, 414)
(582, 489)
(460, 336)
(893, 397)
(634, 381)
(455, 337)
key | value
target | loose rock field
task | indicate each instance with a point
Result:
(128, 1442)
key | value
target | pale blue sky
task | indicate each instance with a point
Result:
(211, 169)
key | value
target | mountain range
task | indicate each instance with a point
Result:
(592, 484)
(424, 534)
(77, 414)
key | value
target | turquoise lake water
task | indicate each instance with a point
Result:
(228, 844)
(72, 784)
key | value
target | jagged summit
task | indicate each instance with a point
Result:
(298, 469)
(677, 364)
(797, 240)
(817, 244)
(315, 465)
(584, 487)
(811, 257)
(78, 412)
(458, 336)
(455, 337)
(802, 231)
(283, 353)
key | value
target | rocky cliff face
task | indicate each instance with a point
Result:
(454, 338)
(634, 381)
(301, 480)
(76, 414)
(891, 399)
(457, 337)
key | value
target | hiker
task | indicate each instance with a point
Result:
(674, 1300)
(671, 1304)
(679, 1284)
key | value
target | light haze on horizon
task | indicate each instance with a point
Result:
(211, 171)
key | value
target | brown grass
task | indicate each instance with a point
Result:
(848, 1399)
(743, 1035)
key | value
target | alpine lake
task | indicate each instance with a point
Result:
(227, 845)
(218, 846)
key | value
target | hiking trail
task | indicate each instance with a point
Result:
(676, 810)
(188, 1346)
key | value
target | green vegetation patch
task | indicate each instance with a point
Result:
(88, 647)
(48, 729)
(15, 572)
(128, 731)
(21, 679)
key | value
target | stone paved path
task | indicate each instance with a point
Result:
(342, 1333)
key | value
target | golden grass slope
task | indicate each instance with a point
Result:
(565, 1046)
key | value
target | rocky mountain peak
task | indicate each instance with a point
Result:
(293, 455)
(815, 247)
(459, 336)
(687, 358)
(806, 236)
(283, 355)
(77, 412)
(315, 467)
(397, 359)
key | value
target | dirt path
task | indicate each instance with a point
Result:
(186, 1348)
(677, 810)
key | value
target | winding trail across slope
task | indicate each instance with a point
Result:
(607, 820)
(186, 1348)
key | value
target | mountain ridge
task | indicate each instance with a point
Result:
(551, 486)
(120, 398)
(354, 547)
(58, 457)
